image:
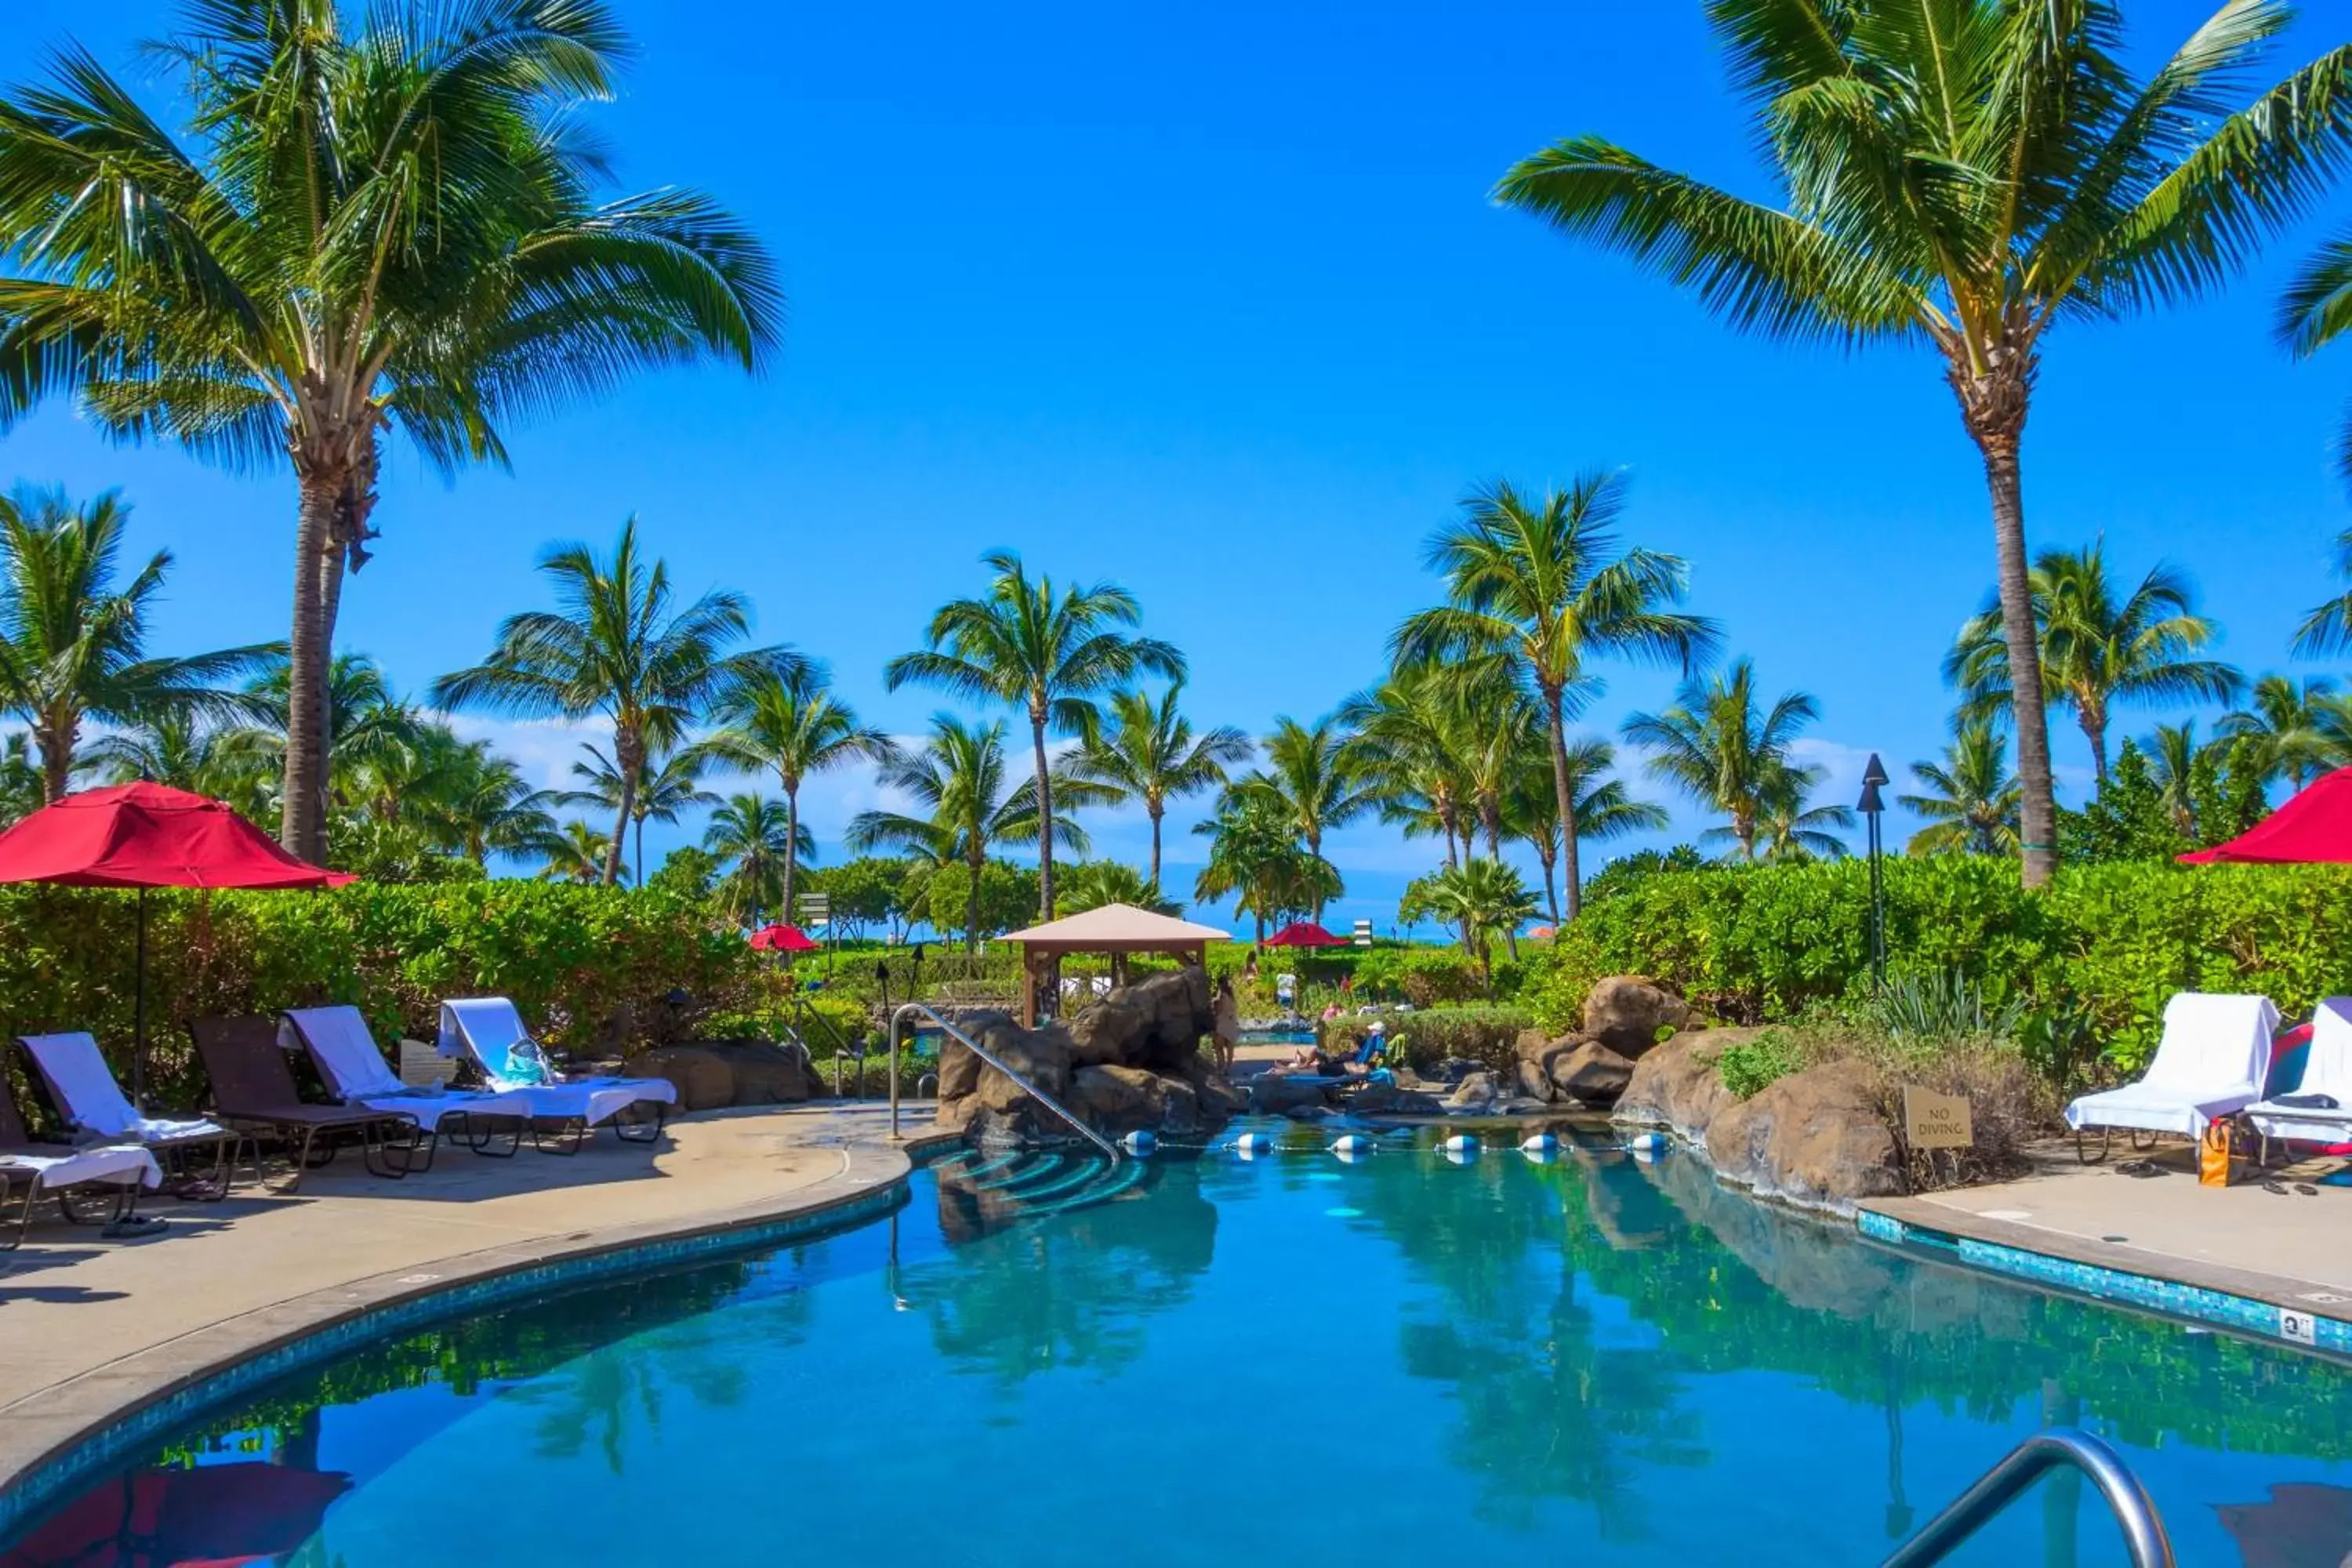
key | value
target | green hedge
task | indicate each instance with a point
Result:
(1752, 945)
(590, 967)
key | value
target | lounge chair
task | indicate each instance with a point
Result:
(357, 1076)
(252, 1088)
(1368, 1057)
(489, 1032)
(2209, 1064)
(2314, 1106)
(57, 1171)
(82, 1088)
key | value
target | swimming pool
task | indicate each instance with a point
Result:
(1287, 1359)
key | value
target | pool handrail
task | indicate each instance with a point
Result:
(2023, 1466)
(898, 1017)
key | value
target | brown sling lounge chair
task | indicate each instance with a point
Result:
(253, 1088)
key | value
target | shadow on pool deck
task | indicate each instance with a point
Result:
(92, 1326)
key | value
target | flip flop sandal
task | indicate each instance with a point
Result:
(137, 1228)
(2140, 1168)
(2274, 1187)
(2306, 1189)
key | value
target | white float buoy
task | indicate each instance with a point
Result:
(1651, 1143)
(1348, 1145)
(1250, 1145)
(1463, 1143)
(1541, 1143)
(1138, 1142)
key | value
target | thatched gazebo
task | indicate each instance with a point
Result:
(1118, 929)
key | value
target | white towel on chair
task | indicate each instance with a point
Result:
(78, 1075)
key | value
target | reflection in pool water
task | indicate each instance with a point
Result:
(1286, 1359)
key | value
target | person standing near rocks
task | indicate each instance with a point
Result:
(1227, 1033)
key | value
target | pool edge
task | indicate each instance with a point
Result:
(2265, 1307)
(53, 1438)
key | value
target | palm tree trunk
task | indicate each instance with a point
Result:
(56, 740)
(1044, 820)
(2095, 729)
(1490, 817)
(1445, 818)
(302, 828)
(1156, 812)
(1993, 405)
(791, 842)
(1548, 856)
(972, 906)
(628, 761)
(1571, 874)
(641, 852)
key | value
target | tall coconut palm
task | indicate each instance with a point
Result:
(73, 642)
(1973, 803)
(1310, 782)
(1537, 586)
(753, 837)
(1965, 175)
(378, 218)
(1605, 809)
(620, 647)
(959, 776)
(1723, 747)
(669, 785)
(1402, 739)
(1149, 753)
(1256, 858)
(2097, 649)
(2293, 725)
(789, 723)
(2316, 312)
(1043, 651)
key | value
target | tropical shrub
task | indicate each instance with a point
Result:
(590, 967)
(1753, 1065)
(2113, 941)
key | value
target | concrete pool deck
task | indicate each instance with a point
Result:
(90, 1330)
(2286, 1248)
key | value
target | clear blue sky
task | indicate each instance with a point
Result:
(1209, 300)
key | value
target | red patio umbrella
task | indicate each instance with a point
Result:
(782, 938)
(1305, 933)
(147, 835)
(242, 1511)
(2314, 827)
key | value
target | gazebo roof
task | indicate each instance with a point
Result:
(1116, 928)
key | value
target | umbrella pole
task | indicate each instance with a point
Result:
(139, 1016)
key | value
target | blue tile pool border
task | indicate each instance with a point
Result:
(42, 1483)
(2297, 1328)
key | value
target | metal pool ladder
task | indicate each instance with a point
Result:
(2026, 1464)
(899, 1016)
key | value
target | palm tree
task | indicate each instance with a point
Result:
(576, 854)
(1537, 586)
(1255, 857)
(1974, 806)
(669, 785)
(366, 723)
(1149, 753)
(756, 834)
(1605, 810)
(1479, 899)
(2095, 651)
(2293, 725)
(1043, 652)
(73, 645)
(1092, 884)
(789, 723)
(1720, 749)
(960, 777)
(2172, 752)
(20, 777)
(380, 217)
(2317, 310)
(1309, 781)
(1790, 831)
(1403, 736)
(484, 806)
(1965, 175)
(617, 645)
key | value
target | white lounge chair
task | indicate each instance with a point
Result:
(489, 1032)
(2317, 1107)
(355, 1073)
(120, 1169)
(2208, 1064)
(82, 1088)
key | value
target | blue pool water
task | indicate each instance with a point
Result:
(1287, 1360)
